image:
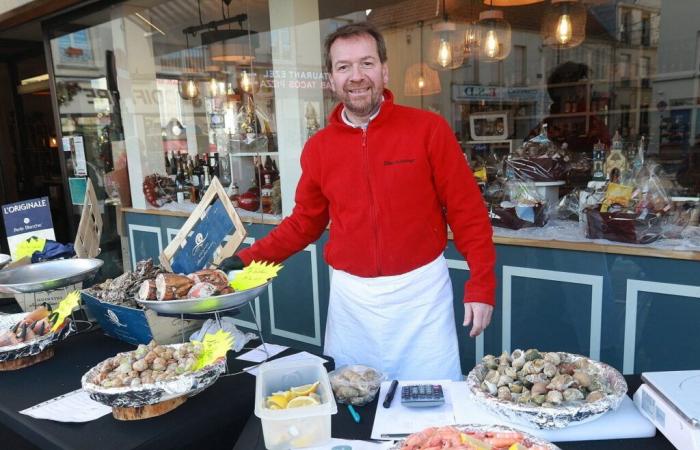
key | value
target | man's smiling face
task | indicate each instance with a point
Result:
(358, 76)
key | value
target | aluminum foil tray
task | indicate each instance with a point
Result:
(4, 260)
(214, 303)
(33, 347)
(129, 397)
(49, 275)
(530, 440)
(572, 413)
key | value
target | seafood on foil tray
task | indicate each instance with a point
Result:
(472, 437)
(546, 389)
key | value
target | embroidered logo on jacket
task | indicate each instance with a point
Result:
(399, 161)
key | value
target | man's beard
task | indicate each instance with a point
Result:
(360, 106)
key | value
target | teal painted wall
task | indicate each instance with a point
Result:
(635, 313)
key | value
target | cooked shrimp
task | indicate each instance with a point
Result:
(504, 439)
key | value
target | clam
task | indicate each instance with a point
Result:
(582, 378)
(537, 378)
(582, 363)
(549, 369)
(504, 393)
(595, 396)
(492, 377)
(489, 387)
(532, 354)
(555, 397)
(572, 394)
(511, 372)
(524, 397)
(490, 361)
(504, 358)
(552, 357)
(517, 359)
(504, 380)
(561, 382)
(538, 388)
(539, 399)
(515, 388)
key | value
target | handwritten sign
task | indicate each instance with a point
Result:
(214, 347)
(256, 274)
(65, 308)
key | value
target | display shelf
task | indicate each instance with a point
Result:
(240, 154)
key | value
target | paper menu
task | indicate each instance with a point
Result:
(400, 419)
(75, 406)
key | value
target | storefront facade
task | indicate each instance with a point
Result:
(163, 95)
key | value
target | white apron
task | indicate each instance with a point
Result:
(402, 325)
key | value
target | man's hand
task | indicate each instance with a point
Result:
(231, 263)
(477, 314)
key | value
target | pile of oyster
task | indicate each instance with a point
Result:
(547, 379)
(123, 289)
(147, 364)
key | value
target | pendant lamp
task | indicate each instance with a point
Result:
(446, 44)
(564, 24)
(188, 86)
(494, 36)
(419, 78)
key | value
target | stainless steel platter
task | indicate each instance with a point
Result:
(4, 260)
(203, 305)
(45, 276)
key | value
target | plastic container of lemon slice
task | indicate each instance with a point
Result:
(295, 402)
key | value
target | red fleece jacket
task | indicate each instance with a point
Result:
(389, 192)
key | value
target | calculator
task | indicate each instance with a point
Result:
(422, 395)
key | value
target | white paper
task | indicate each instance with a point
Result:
(345, 444)
(399, 419)
(76, 406)
(623, 423)
(258, 353)
(301, 356)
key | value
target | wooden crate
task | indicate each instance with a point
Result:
(211, 233)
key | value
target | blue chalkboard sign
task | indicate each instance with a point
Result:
(202, 242)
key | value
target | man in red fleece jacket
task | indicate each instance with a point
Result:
(389, 179)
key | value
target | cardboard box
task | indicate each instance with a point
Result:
(30, 302)
(138, 326)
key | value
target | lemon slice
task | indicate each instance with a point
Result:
(302, 401)
(277, 400)
(305, 389)
(272, 406)
(286, 394)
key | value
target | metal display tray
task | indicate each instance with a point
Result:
(49, 275)
(204, 305)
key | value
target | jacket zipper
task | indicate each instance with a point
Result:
(372, 209)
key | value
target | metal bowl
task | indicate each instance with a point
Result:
(477, 428)
(204, 305)
(546, 417)
(4, 260)
(49, 275)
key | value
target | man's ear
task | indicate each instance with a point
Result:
(332, 82)
(385, 73)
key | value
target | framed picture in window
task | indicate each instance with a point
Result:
(489, 126)
(74, 50)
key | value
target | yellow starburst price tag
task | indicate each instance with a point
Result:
(214, 346)
(64, 309)
(27, 247)
(254, 275)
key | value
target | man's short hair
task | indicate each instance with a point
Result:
(355, 30)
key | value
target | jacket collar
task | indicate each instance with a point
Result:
(336, 117)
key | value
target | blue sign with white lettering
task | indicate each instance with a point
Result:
(26, 219)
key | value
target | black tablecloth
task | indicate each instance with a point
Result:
(343, 427)
(212, 419)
